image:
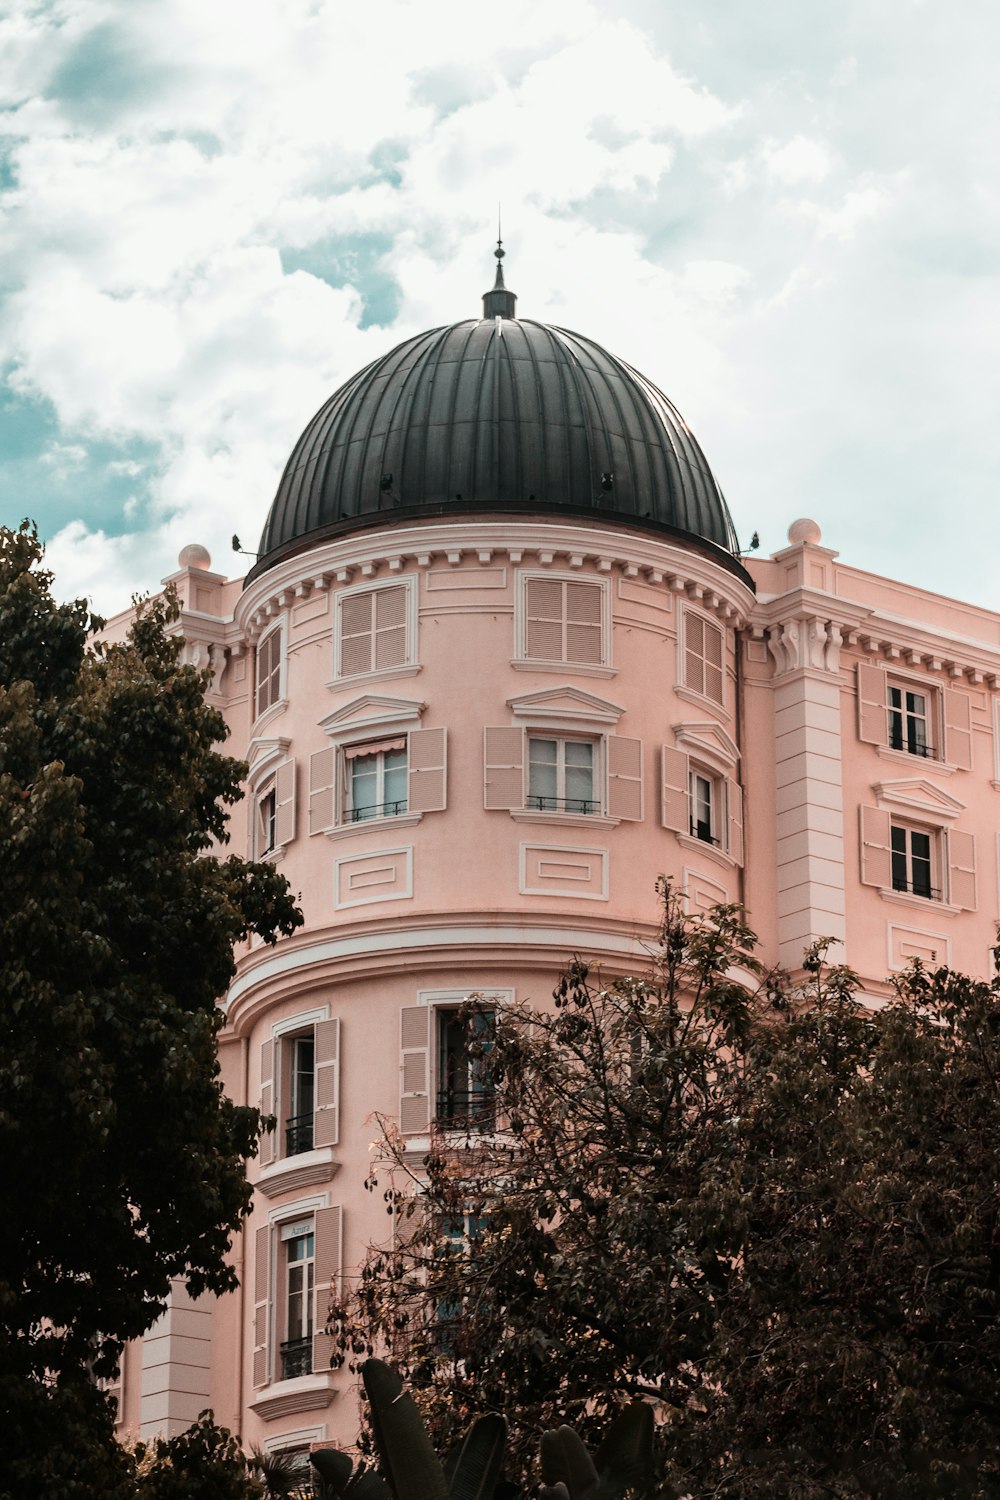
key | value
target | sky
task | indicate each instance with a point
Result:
(785, 214)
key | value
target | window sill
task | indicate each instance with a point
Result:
(271, 856)
(926, 762)
(564, 819)
(571, 668)
(266, 717)
(384, 674)
(923, 903)
(373, 825)
(304, 1393)
(690, 696)
(711, 851)
(294, 1172)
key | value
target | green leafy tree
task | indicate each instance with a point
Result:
(123, 1160)
(772, 1213)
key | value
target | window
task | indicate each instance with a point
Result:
(352, 784)
(561, 775)
(271, 801)
(374, 630)
(703, 806)
(545, 773)
(465, 1098)
(911, 861)
(700, 801)
(702, 669)
(905, 856)
(298, 1263)
(298, 1255)
(914, 717)
(268, 671)
(562, 620)
(299, 1083)
(377, 780)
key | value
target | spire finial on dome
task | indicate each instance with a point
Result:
(498, 302)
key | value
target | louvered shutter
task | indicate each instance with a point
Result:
(390, 628)
(872, 722)
(328, 1252)
(261, 1305)
(115, 1389)
(428, 770)
(675, 804)
(543, 619)
(322, 771)
(414, 1094)
(624, 778)
(876, 848)
(734, 819)
(694, 652)
(713, 662)
(267, 1141)
(253, 809)
(326, 1122)
(284, 796)
(356, 631)
(503, 768)
(961, 869)
(957, 729)
(583, 623)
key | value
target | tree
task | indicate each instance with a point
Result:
(772, 1212)
(123, 1160)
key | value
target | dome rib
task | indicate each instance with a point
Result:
(497, 415)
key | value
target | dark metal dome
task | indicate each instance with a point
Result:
(498, 415)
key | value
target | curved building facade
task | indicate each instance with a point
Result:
(498, 667)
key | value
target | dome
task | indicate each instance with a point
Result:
(498, 415)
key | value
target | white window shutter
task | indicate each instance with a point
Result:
(503, 768)
(414, 1093)
(876, 848)
(322, 772)
(326, 1124)
(284, 797)
(261, 1305)
(584, 628)
(873, 726)
(428, 770)
(328, 1251)
(266, 1154)
(624, 778)
(675, 809)
(957, 729)
(961, 869)
(734, 819)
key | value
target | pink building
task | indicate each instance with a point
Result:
(499, 664)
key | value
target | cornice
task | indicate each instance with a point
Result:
(382, 553)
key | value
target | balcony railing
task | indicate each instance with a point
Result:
(466, 1109)
(298, 1134)
(703, 831)
(378, 810)
(912, 746)
(296, 1357)
(539, 803)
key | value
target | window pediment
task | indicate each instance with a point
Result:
(264, 754)
(565, 705)
(916, 794)
(707, 741)
(369, 712)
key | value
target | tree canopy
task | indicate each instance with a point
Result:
(770, 1211)
(123, 1159)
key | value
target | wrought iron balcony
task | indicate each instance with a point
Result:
(703, 831)
(378, 810)
(296, 1357)
(298, 1134)
(466, 1109)
(912, 746)
(539, 803)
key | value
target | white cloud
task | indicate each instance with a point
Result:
(798, 160)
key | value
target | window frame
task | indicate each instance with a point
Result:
(270, 1303)
(704, 750)
(409, 664)
(687, 651)
(276, 673)
(451, 1119)
(917, 806)
(278, 1092)
(419, 1062)
(904, 859)
(288, 1350)
(948, 717)
(372, 720)
(523, 578)
(595, 805)
(273, 775)
(377, 751)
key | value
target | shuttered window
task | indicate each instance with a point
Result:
(372, 631)
(703, 657)
(564, 621)
(268, 672)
